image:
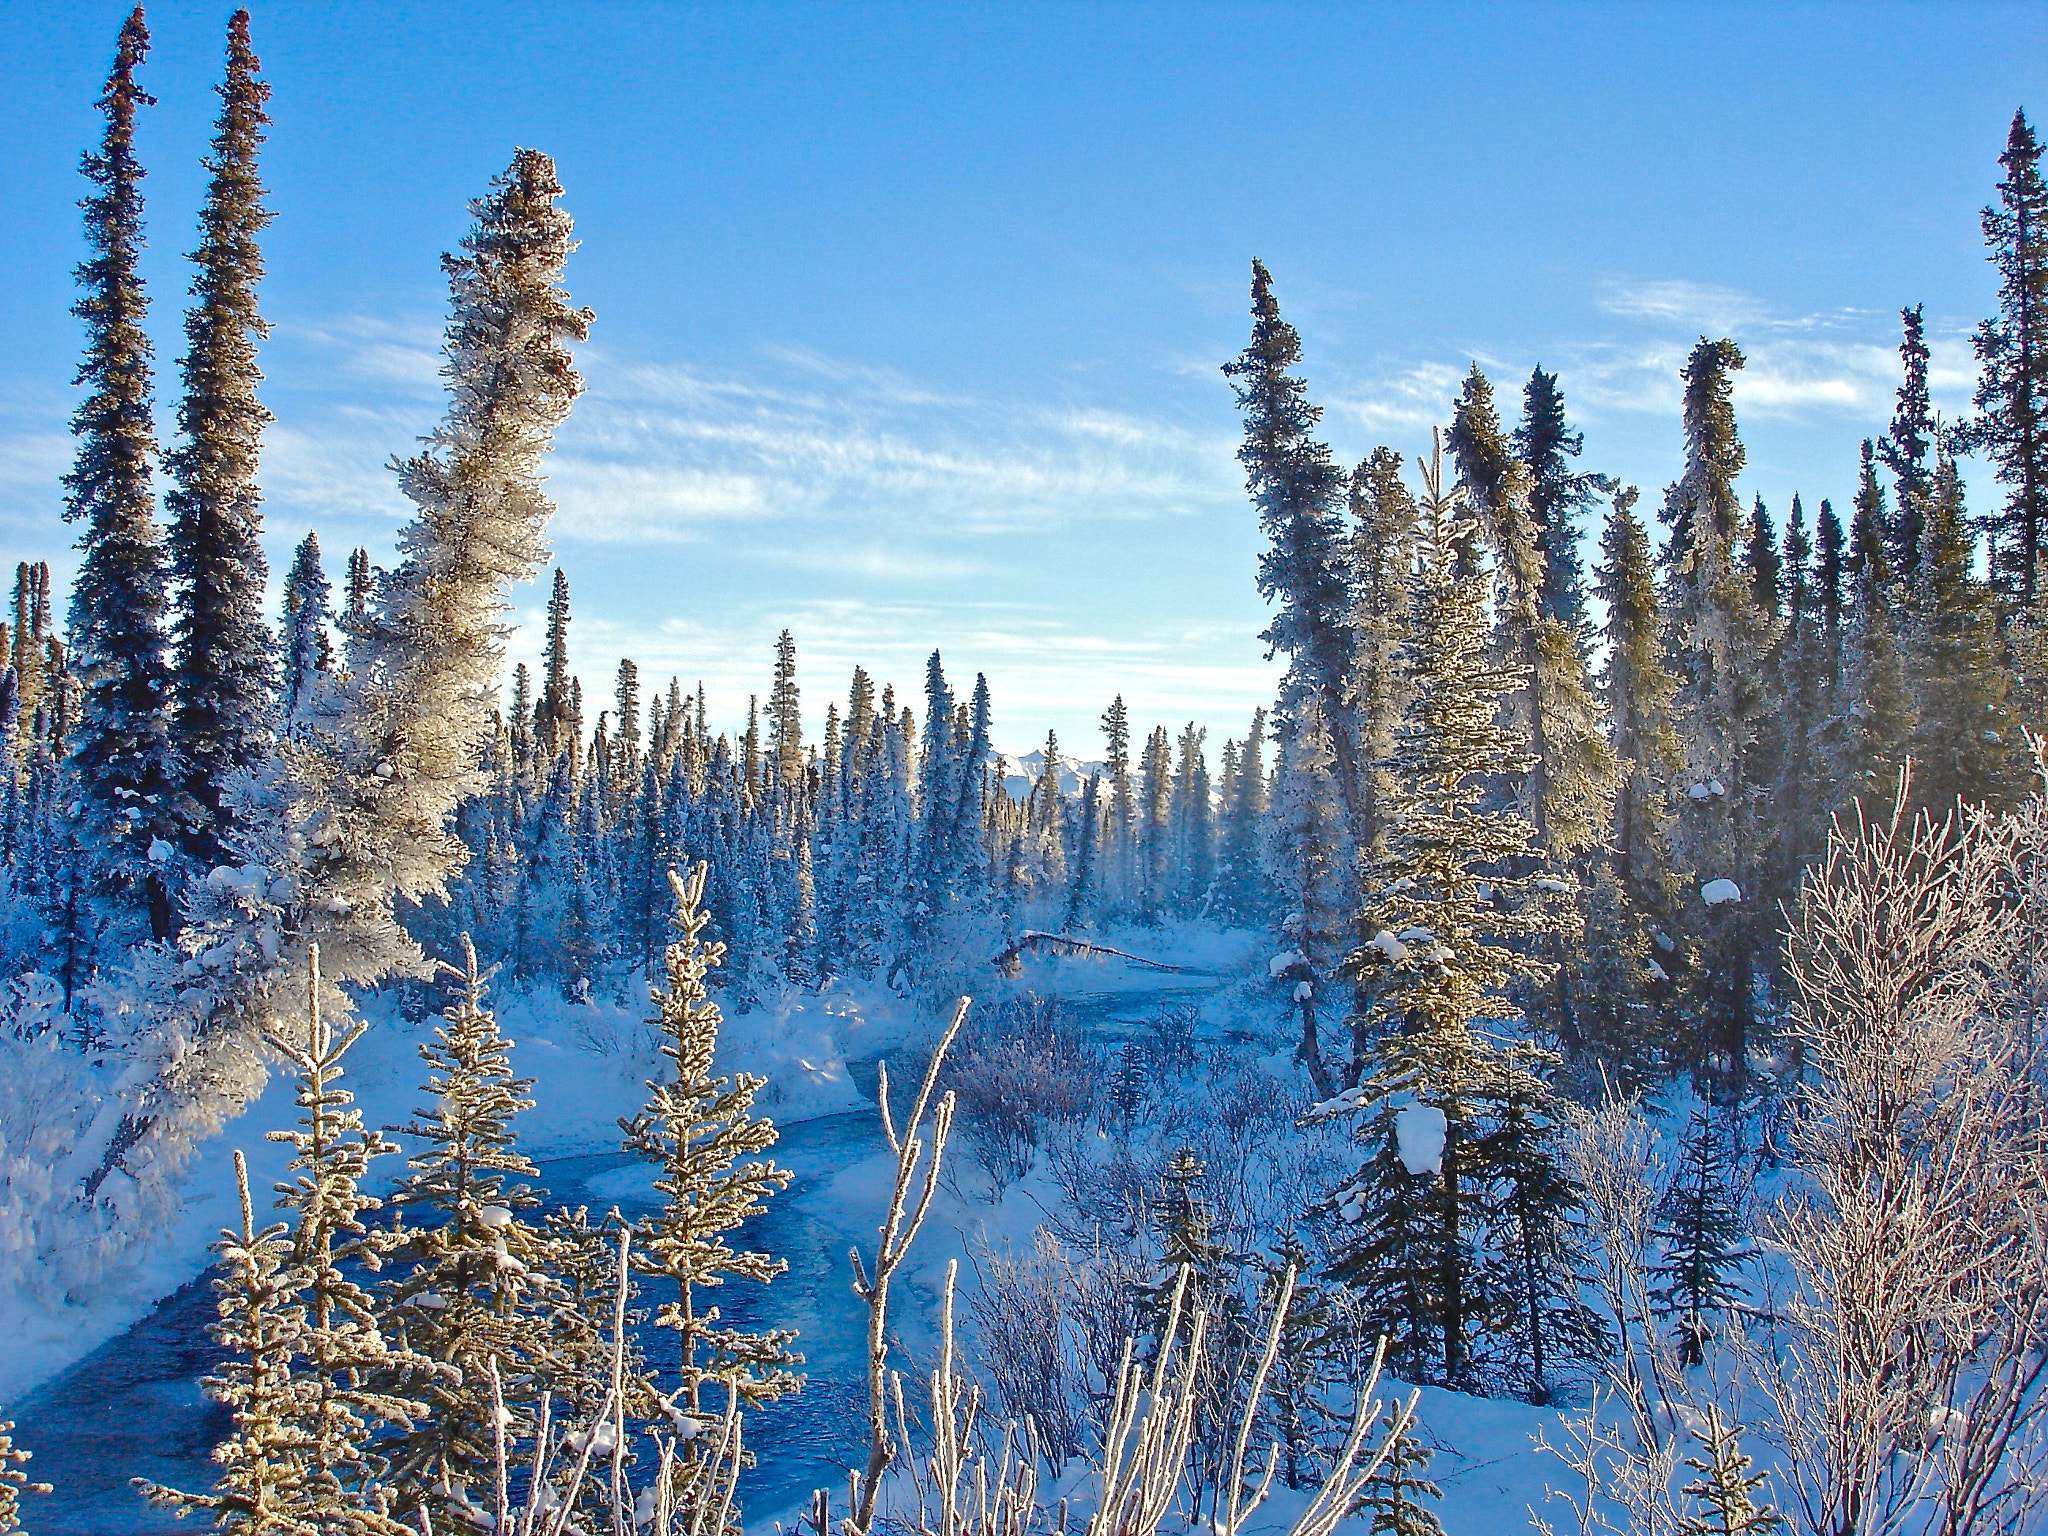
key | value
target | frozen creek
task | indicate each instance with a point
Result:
(133, 1407)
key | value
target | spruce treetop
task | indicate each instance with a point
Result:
(1298, 490)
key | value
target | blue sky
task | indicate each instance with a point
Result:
(910, 317)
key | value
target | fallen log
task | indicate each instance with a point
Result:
(1011, 961)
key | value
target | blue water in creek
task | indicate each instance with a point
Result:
(133, 1407)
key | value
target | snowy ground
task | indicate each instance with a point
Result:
(589, 1062)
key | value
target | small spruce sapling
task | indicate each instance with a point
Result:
(1727, 1491)
(475, 1284)
(1398, 1496)
(700, 1130)
(262, 1328)
(1701, 1232)
(346, 1357)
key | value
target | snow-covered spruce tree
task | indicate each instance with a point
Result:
(1762, 565)
(1084, 894)
(1643, 901)
(1396, 1502)
(2011, 424)
(1242, 812)
(1382, 568)
(700, 1130)
(120, 754)
(1155, 824)
(1867, 738)
(1568, 783)
(1793, 743)
(345, 1356)
(307, 1357)
(308, 652)
(1120, 813)
(1966, 744)
(1715, 643)
(785, 719)
(1443, 937)
(356, 816)
(1305, 852)
(262, 1330)
(224, 663)
(470, 1281)
(1299, 492)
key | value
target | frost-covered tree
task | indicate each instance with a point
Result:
(1382, 567)
(1442, 938)
(553, 733)
(1715, 645)
(1155, 823)
(357, 818)
(701, 1132)
(262, 1331)
(1966, 744)
(1569, 778)
(1243, 795)
(2011, 424)
(1120, 813)
(1729, 1497)
(1639, 694)
(1907, 449)
(224, 662)
(345, 1358)
(785, 718)
(308, 652)
(1873, 722)
(120, 753)
(1299, 492)
(470, 1279)
(307, 1360)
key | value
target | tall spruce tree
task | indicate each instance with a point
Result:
(1441, 939)
(1565, 789)
(1640, 697)
(2011, 424)
(121, 752)
(785, 719)
(1716, 644)
(552, 732)
(1299, 492)
(1873, 722)
(1382, 566)
(224, 662)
